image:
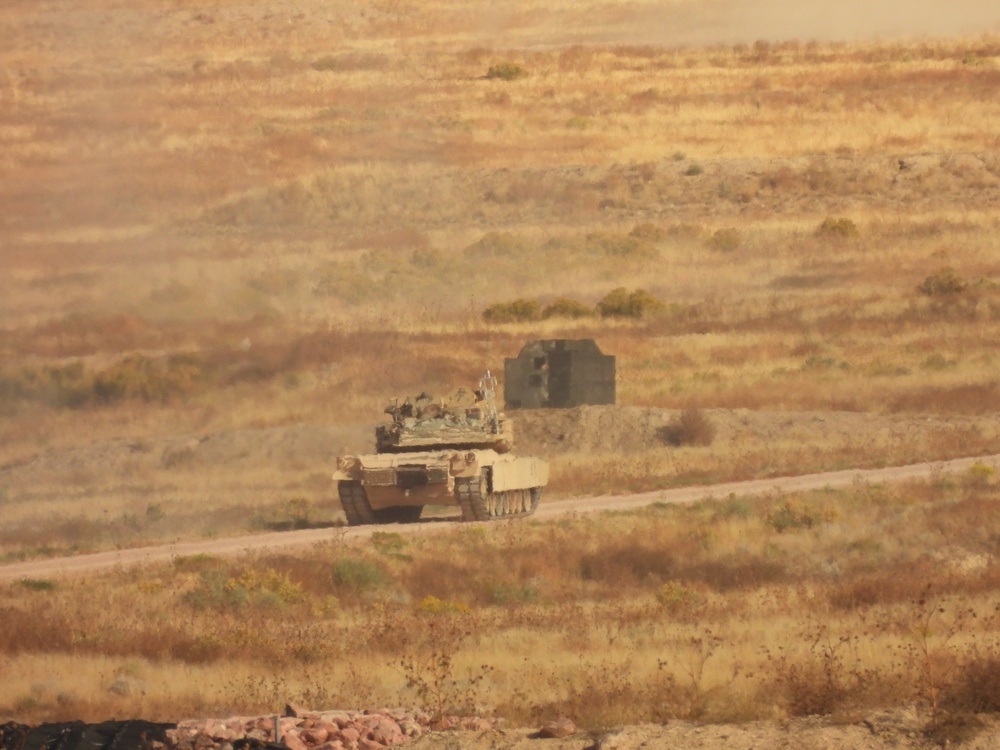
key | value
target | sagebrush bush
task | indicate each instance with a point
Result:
(677, 598)
(837, 227)
(690, 427)
(620, 303)
(135, 377)
(325, 63)
(496, 245)
(648, 231)
(725, 240)
(39, 584)
(516, 311)
(563, 307)
(359, 575)
(942, 283)
(788, 515)
(506, 71)
(615, 245)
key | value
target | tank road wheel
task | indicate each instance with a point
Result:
(479, 504)
(354, 501)
(399, 514)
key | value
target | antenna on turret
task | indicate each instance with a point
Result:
(488, 389)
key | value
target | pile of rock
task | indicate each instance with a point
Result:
(312, 730)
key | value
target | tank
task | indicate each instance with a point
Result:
(453, 451)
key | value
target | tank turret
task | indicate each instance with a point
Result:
(465, 419)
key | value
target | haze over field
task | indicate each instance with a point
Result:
(231, 230)
(731, 21)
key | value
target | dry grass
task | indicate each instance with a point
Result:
(831, 602)
(228, 223)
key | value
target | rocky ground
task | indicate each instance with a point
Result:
(904, 729)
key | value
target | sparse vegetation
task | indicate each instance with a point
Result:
(837, 227)
(507, 71)
(690, 427)
(516, 311)
(669, 594)
(621, 303)
(942, 283)
(563, 307)
(274, 236)
(725, 240)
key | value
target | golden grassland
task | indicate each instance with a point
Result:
(233, 221)
(833, 602)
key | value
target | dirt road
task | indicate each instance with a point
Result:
(84, 564)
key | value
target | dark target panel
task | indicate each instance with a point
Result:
(558, 374)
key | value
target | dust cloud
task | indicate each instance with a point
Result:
(697, 22)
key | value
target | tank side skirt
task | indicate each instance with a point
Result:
(479, 503)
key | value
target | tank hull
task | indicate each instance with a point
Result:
(484, 484)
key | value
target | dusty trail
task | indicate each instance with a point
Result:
(84, 564)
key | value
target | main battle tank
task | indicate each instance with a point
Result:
(453, 451)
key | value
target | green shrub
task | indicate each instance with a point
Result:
(507, 593)
(694, 170)
(789, 515)
(359, 575)
(59, 386)
(506, 71)
(725, 240)
(620, 303)
(268, 586)
(831, 227)
(291, 515)
(517, 311)
(938, 361)
(676, 598)
(325, 63)
(564, 307)
(146, 379)
(615, 245)
(268, 589)
(214, 592)
(648, 231)
(981, 474)
(426, 257)
(38, 584)
(390, 544)
(943, 283)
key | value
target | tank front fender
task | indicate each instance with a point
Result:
(348, 469)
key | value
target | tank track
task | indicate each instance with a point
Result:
(479, 504)
(354, 501)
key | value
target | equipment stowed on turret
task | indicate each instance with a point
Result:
(453, 451)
